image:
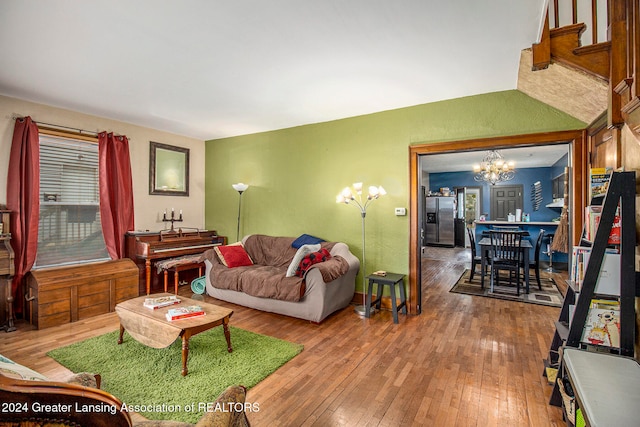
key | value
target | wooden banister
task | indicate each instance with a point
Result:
(615, 59)
(542, 50)
(561, 21)
(618, 71)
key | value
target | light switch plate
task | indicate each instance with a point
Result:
(401, 211)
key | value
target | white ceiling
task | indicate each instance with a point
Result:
(523, 157)
(216, 68)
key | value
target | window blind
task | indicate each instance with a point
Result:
(69, 227)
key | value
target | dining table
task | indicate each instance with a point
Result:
(485, 249)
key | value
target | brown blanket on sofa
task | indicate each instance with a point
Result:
(266, 278)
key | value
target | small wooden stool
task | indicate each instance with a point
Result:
(392, 280)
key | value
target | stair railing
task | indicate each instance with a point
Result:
(593, 13)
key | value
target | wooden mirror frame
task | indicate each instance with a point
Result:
(181, 166)
(579, 179)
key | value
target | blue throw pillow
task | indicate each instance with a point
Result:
(306, 239)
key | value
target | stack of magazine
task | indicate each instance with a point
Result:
(159, 302)
(184, 312)
(599, 181)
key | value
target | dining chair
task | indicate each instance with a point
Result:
(506, 254)
(506, 228)
(535, 264)
(475, 258)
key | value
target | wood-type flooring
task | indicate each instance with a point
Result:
(466, 361)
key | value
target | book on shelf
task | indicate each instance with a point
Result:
(592, 216)
(159, 302)
(602, 327)
(599, 181)
(185, 312)
(608, 304)
(576, 274)
(608, 282)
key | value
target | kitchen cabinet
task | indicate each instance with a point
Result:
(558, 185)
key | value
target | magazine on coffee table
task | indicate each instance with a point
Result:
(184, 312)
(154, 303)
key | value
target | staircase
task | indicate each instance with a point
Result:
(563, 45)
(615, 60)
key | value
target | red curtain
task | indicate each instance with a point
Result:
(23, 187)
(116, 191)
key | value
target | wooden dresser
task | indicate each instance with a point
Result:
(6, 271)
(67, 294)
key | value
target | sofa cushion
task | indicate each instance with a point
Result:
(270, 250)
(233, 255)
(11, 369)
(311, 259)
(302, 252)
(306, 239)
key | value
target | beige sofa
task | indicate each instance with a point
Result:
(321, 292)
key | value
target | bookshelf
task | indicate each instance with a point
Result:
(619, 199)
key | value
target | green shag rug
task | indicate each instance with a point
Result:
(144, 376)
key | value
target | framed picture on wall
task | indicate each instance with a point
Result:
(168, 170)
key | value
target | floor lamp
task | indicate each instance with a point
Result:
(347, 196)
(240, 188)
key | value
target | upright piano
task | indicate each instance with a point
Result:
(146, 247)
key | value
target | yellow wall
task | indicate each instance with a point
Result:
(296, 173)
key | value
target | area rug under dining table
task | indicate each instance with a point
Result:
(549, 295)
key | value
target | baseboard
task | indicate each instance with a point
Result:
(385, 304)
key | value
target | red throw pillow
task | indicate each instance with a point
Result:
(233, 256)
(312, 258)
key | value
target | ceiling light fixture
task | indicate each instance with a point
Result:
(493, 168)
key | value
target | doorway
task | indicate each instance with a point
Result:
(577, 179)
(469, 210)
(505, 200)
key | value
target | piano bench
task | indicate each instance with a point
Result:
(176, 265)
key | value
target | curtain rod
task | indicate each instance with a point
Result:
(80, 131)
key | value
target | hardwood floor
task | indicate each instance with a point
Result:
(465, 361)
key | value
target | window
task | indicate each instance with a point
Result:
(69, 228)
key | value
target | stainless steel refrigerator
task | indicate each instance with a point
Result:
(439, 218)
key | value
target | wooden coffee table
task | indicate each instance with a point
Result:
(151, 328)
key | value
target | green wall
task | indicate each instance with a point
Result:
(296, 173)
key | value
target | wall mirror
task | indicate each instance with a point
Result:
(168, 170)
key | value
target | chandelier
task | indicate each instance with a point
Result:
(493, 169)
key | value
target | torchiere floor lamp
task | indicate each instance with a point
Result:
(240, 188)
(347, 197)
